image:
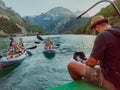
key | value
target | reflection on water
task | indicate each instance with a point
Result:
(39, 72)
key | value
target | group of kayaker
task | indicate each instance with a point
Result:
(15, 49)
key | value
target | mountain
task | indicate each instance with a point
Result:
(11, 23)
(51, 18)
(57, 20)
(6, 24)
(67, 25)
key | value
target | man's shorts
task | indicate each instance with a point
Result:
(95, 75)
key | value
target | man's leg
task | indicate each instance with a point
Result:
(95, 75)
(76, 70)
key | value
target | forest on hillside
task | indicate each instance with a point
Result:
(9, 20)
(108, 12)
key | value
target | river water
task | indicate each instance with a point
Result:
(39, 72)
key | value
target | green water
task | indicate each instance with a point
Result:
(40, 72)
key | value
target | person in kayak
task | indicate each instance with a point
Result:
(48, 44)
(21, 44)
(106, 51)
(13, 50)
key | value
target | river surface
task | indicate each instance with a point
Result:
(39, 72)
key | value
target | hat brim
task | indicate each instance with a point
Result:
(98, 22)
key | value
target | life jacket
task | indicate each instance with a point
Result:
(48, 43)
(12, 50)
(21, 45)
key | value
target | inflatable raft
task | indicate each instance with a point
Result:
(6, 62)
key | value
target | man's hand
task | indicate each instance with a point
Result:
(91, 61)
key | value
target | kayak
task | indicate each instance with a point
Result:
(78, 85)
(49, 53)
(6, 62)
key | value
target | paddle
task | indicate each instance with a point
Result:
(28, 52)
(33, 47)
(0, 56)
(79, 56)
(37, 42)
(11, 38)
(57, 44)
(39, 37)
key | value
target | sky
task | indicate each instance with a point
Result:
(36, 7)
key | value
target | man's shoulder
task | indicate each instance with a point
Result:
(102, 34)
(105, 33)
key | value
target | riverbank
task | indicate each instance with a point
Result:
(4, 35)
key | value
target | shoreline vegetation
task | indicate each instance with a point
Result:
(4, 35)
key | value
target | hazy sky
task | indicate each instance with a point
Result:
(36, 7)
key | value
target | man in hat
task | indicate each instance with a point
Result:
(103, 65)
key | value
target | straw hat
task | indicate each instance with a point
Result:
(97, 20)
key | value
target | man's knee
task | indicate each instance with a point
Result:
(76, 66)
(70, 64)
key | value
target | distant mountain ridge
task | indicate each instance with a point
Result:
(66, 26)
(52, 20)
